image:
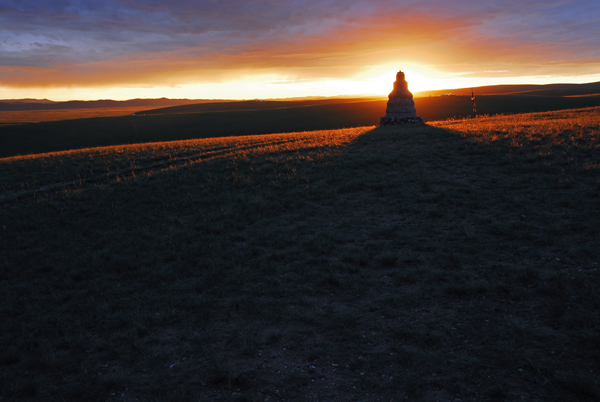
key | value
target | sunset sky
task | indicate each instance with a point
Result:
(246, 49)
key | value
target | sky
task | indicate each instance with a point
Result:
(259, 49)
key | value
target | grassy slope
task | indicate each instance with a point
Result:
(84, 133)
(36, 116)
(456, 260)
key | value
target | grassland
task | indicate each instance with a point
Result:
(207, 120)
(455, 260)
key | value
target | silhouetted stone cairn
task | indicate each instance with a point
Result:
(400, 106)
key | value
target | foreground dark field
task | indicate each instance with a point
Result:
(455, 261)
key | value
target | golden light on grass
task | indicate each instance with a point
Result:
(54, 170)
(564, 137)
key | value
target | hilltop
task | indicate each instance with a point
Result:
(592, 88)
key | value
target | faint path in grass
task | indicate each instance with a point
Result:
(122, 173)
(221, 148)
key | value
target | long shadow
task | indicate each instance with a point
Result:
(448, 182)
(369, 268)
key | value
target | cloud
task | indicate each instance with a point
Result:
(64, 42)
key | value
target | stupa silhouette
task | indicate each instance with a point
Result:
(400, 106)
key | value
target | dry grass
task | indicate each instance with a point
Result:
(32, 172)
(568, 140)
(566, 128)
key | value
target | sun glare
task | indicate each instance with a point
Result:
(385, 83)
(380, 79)
(374, 81)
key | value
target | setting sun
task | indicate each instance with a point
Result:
(416, 82)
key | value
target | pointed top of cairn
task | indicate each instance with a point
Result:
(400, 106)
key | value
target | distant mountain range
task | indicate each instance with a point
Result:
(588, 89)
(45, 104)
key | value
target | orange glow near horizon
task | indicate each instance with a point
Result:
(261, 50)
(375, 81)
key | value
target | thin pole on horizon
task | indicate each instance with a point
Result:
(474, 105)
